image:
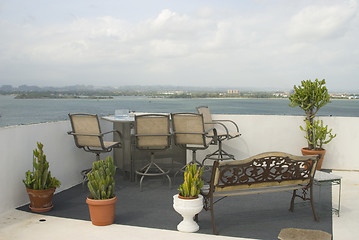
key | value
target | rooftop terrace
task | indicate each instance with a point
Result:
(260, 134)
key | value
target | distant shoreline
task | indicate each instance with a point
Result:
(150, 97)
(63, 97)
(39, 95)
(221, 98)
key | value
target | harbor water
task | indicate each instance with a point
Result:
(28, 111)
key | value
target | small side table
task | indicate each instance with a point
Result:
(321, 177)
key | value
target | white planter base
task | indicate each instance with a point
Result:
(188, 208)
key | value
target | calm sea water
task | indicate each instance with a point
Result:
(27, 111)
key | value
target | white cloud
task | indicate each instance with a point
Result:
(315, 23)
(226, 46)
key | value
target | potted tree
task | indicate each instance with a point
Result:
(40, 185)
(189, 202)
(311, 96)
(102, 200)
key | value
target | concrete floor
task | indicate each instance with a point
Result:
(347, 225)
(18, 225)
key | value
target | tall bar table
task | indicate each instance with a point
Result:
(126, 156)
(123, 155)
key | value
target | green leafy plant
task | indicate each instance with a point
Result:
(192, 181)
(101, 179)
(321, 134)
(310, 96)
(40, 177)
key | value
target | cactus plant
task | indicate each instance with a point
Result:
(320, 134)
(192, 181)
(310, 96)
(101, 179)
(40, 178)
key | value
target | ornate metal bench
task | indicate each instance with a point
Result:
(266, 172)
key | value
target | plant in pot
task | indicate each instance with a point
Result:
(40, 185)
(310, 96)
(102, 200)
(189, 202)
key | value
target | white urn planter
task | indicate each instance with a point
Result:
(188, 208)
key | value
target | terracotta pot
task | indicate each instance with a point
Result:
(102, 212)
(306, 151)
(40, 200)
(186, 197)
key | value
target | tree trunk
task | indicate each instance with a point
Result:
(310, 118)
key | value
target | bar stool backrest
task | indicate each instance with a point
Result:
(152, 131)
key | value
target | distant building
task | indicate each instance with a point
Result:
(280, 94)
(231, 91)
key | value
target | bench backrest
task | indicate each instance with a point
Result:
(263, 170)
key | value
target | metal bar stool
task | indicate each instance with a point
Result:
(152, 133)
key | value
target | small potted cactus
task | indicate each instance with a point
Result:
(192, 183)
(102, 200)
(40, 185)
(189, 202)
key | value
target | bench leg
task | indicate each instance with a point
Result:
(291, 208)
(304, 197)
(212, 216)
(312, 203)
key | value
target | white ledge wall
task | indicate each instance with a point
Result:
(266, 133)
(65, 159)
(259, 134)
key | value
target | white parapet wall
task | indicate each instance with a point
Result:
(17, 145)
(264, 133)
(259, 134)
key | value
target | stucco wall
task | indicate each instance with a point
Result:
(262, 133)
(17, 144)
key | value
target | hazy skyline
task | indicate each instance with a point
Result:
(236, 44)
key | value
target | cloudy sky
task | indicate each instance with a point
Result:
(267, 44)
